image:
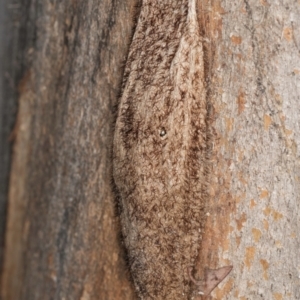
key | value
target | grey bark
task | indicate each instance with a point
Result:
(253, 217)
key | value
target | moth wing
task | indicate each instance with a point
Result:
(213, 277)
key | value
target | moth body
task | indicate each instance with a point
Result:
(159, 151)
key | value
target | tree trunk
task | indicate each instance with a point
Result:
(62, 232)
(62, 237)
(9, 73)
(253, 215)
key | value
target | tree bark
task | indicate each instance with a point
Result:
(9, 73)
(253, 215)
(62, 238)
(62, 234)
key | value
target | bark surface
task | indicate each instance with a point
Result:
(253, 220)
(10, 69)
(62, 234)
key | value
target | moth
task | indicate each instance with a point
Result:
(160, 149)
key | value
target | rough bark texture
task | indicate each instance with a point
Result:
(253, 214)
(61, 232)
(61, 239)
(10, 68)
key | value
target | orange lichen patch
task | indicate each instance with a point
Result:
(267, 211)
(238, 241)
(264, 194)
(229, 124)
(296, 71)
(278, 244)
(243, 298)
(277, 296)
(256, 234)
(277, 215)
(237, 40)
(252, 203)
(240, 222)
(293, 235)
(288, 33)
(274, 213)
(266, 224)
(288, 132)
(241, 101)
(250, 253)
(265, 266)
(267, 121)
